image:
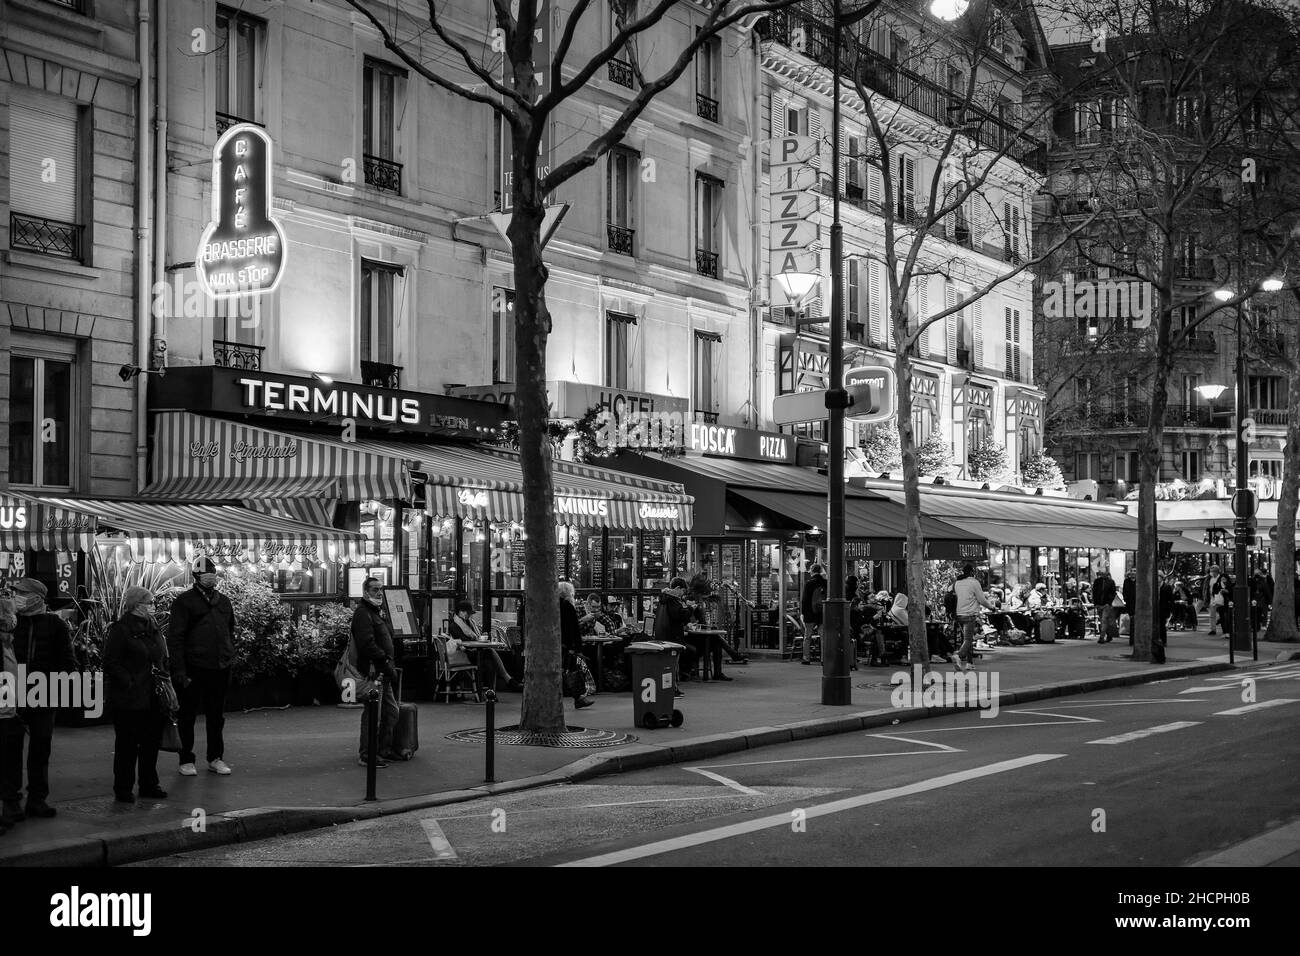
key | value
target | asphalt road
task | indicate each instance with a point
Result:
(1183, 772)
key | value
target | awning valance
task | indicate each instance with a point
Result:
(32, 524)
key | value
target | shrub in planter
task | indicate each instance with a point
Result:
(880, 449)
(934, 456)
(1042, 471)
(262, 630)
(319, 640)
(988, 462)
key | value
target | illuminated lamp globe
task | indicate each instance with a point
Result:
(1271, 284)
(1223, 295)
(1211, 392)
(796, 285)
(948, 10)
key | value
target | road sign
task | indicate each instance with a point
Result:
(1244, 503)
(882, 381)
(811, 406)
(551, 216)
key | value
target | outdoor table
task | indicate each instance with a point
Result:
(600, 640)
(706, 636)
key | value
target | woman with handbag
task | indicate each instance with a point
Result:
(134, 648)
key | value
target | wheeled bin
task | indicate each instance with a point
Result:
(654, 680)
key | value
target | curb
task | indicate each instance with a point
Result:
(241, 826)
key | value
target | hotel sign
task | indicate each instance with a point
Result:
(243, 248)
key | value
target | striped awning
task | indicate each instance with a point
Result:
(34, 524)
(210, 459)
(487, 484)
(180, 532)
(312, 510)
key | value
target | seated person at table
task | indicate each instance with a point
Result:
(597, 618)
(716, 641)
(897, 615)
(1038, 596)
(490, 666)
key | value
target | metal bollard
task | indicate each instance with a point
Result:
(490, 699)
(372, 738)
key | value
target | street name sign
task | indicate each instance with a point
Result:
(811, 406)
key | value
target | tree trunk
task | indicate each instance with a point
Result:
(1281, 621)
(543, 705)
(915, 547)
(1149, 451)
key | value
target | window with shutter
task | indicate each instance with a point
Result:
(815, 132)
(1010, 232)
(45, 174)
(904, 189)
(950, 300)
(1013, 344)
(977, 332)
(875, 299)
(921, 309)
(852, 299)
(854, 170)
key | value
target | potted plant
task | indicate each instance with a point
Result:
(880, 450)
(1042, 471)
(934, 456)
(988, 462)
(319, 639)
(261, 674)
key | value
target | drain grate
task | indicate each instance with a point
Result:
(573, 737)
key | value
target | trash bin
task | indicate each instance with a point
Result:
(654, 679)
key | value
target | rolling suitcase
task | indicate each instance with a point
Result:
(406, 734)
(1047, 631)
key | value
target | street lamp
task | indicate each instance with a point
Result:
(949, 10)
(796, 285)
(1272, 284)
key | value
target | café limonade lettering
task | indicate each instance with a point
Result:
(336, 400)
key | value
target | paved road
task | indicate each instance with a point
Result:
(1189, 771)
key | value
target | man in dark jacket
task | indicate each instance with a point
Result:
(201, 644)
(1103, 599)
(373, 638)
(41, 643)
(671, 618)
(814, 593)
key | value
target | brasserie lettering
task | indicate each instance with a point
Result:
(658, 511)
(341, 401)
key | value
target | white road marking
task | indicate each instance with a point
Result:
(922, 743)
(1258, 850)
(725, 781)
(825, 809)
(999, 725)
(442, 849)
(1202, 690)
(1259, 706)
(1139, 734)
(767, 763)
(1116, 703)
(1290, 672)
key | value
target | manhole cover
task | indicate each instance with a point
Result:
(577, 737)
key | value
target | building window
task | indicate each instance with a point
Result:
(42, 412)
(922, 422)
(239, 64)
(45, 175)
(382, 105)
(1191, 397)
(620, 199)
(618, 349)
(708, 65)
(708, 362)
(1013, 344)
(1191, 466)
(854, 273)
(1187, 114)
(1266, 468)
(1086, 466)
(1028, 444)
(1267, 392)
(977, 433)
(1011, 233)
(708, 224)
(905, 189)
(379, 288)
(503, 335)
(1128, 467)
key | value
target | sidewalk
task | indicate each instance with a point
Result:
(296, 769)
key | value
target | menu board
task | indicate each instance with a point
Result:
(730, 563)
(401, 613)
(652, 559)
(597, 563)
(517, 558)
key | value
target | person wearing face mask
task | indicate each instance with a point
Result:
(134, 647)
(41, 643)
(201, 645)
(373, 638)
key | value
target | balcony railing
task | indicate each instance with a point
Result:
(381, 374)
(383, 173)
(1114, 340)
(620, 72)
(620, 238)
(1189, 416)
(247, 358)
(706, 263)
(706, 107)
(227, 120)
(1197, 269)
(49, 237)
(814, 39)
(1270, 416)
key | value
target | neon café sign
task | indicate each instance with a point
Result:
(242, 250)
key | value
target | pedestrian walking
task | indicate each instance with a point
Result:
(201, 647)
(970, 598)
(11, 728)
(810, 605)
(373, 638)
(134, 647)
(43, 645)
(1104, 593)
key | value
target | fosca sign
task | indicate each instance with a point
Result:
(242, 249)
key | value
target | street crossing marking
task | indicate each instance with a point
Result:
(725, 781)
(1259, 706)
(442, 849)
(1149, 731)
(783, 819)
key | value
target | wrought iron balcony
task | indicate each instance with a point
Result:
(227, 120)
(383, 173)
(706, 107)
(1270, 416)
(1189, 416)
(247, 358)
(706, 263)
(620, 72)
(381, 374)
(620, 238)
(49, 237)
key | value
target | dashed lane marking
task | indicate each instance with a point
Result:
(1236, 711)
(442, 849)
(725, 781)
(1147, 732)
(716, 834)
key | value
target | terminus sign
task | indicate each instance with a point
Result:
(336, 400)
(242, 249)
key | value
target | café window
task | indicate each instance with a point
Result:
(380, 284)
(1086, 465)
(619, 329)
(503, 335)
(46, 192)
(977, 432)
(239, 59)
(922, 423)
(43, 420)
(382, 109)
(708, 360)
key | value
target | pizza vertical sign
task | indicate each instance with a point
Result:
(242, 250)
(794, 206)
